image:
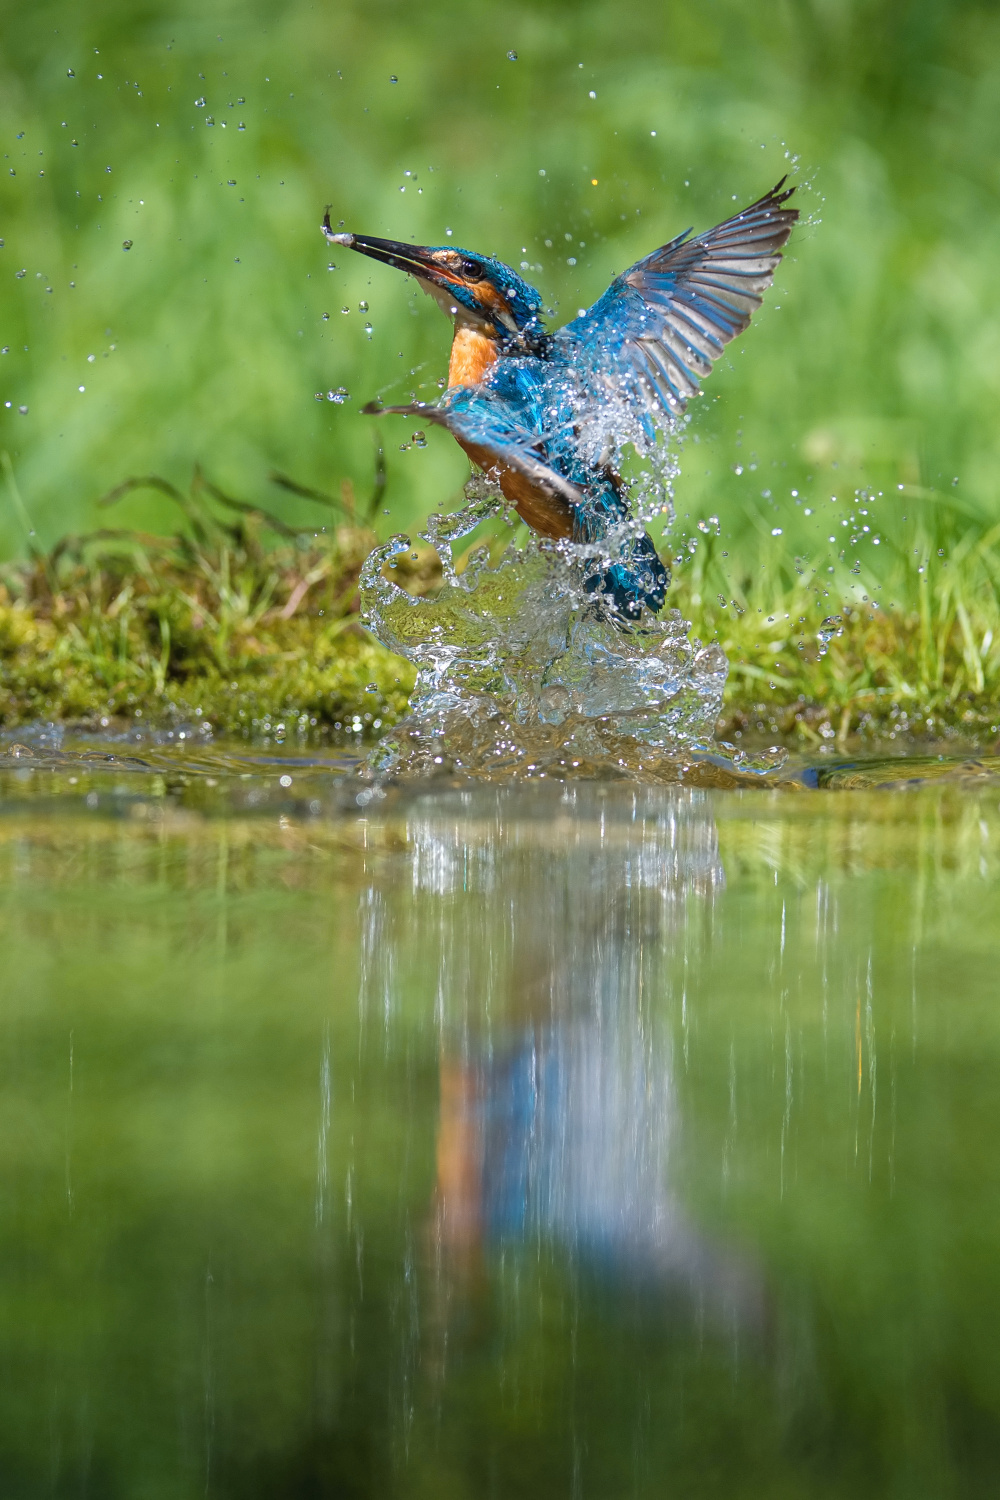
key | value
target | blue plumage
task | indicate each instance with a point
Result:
(545, 413)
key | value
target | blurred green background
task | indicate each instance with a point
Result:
(211, 137)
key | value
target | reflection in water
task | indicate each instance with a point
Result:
(479, 1237)
(558, 1108)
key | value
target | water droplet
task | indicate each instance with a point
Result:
(339, 396)
(326, 317)
(393, 78)
(345, 309)
(372, 687)
(70, 73)
(593, 94)
(775, 530)
(419, 439)
(81, 389)
(126, 244)
(241, 100)
(209, 120)
(284, 781)
(20, 274)
(362, 307)
(199, 103)
(23, 410)
(512, 57)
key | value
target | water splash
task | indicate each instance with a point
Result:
(520, 674)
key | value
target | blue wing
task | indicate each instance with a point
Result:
(500, 434)
(660, 326)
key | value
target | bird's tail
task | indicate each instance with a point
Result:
(636, 581)
(633, 577)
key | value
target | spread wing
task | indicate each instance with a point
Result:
(660, 326)
(494, 433)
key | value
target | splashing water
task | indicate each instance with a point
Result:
(549, 661)
(519, 674)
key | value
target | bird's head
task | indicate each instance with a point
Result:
(476, 289)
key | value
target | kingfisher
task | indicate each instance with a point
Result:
(545, 413)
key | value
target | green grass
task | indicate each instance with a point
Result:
(235, 620)
(244, 622)
(218, 334)
(874, 363)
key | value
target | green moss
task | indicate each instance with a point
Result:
(229, 621)
(239, 621)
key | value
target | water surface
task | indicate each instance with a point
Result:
(550, 1139)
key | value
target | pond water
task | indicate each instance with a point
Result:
(585, 1139)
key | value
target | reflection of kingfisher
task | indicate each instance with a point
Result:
(542, 412)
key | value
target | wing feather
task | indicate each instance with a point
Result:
(489, 423)
(662, 324)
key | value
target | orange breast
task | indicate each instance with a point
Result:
(472, 353)
(547, 514)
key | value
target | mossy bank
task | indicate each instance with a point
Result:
(242, 623)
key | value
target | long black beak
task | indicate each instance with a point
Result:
(416, 259)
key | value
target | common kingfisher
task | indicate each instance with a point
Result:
(540, 412)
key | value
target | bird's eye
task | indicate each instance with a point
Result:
(470, 268)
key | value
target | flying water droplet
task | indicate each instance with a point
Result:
(419, 440)
(831, 627)
(126, 244)
(512, 57)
